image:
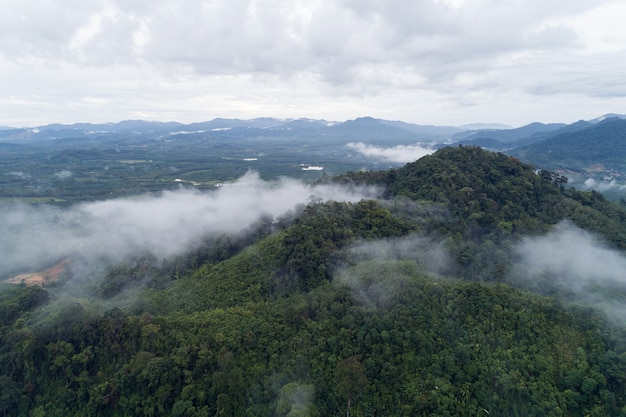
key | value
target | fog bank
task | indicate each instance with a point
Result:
(375, 281)
(166, 224)
(399, 153)
(575, 263)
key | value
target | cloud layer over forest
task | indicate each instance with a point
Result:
(166, 224)
(575, 262)
(378, 284)
(397, 154)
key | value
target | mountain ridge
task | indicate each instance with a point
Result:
(600, 143)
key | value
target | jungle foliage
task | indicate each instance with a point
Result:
(288, 321)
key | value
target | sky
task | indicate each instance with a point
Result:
(441, 62)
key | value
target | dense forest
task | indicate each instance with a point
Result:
(416, 304)
(580, 149)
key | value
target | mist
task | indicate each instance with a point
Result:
(399, 153)
(574, 263)
(602, 186)
(165, 225)
(395, 260)
(427, 254)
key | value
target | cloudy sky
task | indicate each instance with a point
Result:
(445, 62)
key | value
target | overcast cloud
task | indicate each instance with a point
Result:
(422, 61)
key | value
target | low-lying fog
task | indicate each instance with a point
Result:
(171, 223)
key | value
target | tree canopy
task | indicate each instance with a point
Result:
(337, 309)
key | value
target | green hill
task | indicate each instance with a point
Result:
(603, 143)
(405, 306)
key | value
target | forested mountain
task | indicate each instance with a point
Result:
(511, 139)
(576, 146)
(511, 135)
(602, 143)
(428, 301)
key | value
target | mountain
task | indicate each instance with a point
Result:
(418, 303)
(508, 140)
(426, 131)
(510, 135)
(361, 129)
(602, 143)
(136, 126)
(607, 116)
(304, 124)
(225, 124)
(365, 128)
(368, 128)
(484, 126)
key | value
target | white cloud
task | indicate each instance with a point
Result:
(428, 61)
(573, 255)
(166, 225)
(64, 174)
(19, 174)
(377, 283)
(601, 186)
(398, 153)
(574, 261)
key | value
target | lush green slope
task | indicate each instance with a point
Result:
(603, 143)
(493, 200)
(314, 313)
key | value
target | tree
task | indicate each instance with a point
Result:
(350, 379)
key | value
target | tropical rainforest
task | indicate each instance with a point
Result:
(424, 302)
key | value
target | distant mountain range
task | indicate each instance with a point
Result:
(572, 146)
(363, 129)
(602, 143)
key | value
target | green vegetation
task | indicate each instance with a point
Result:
(108, 165)
(576, 150)
(290, 320)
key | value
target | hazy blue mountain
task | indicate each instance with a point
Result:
(8, 134)
(303, 124)
(425, 130)
(365, 129)
(607, 116)
(371, 130)
(137, 126)
(485, 126)
(538, 137)
(502, 140)
(602, 143)
(486, 143)
(510, 135)
(220, 123)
